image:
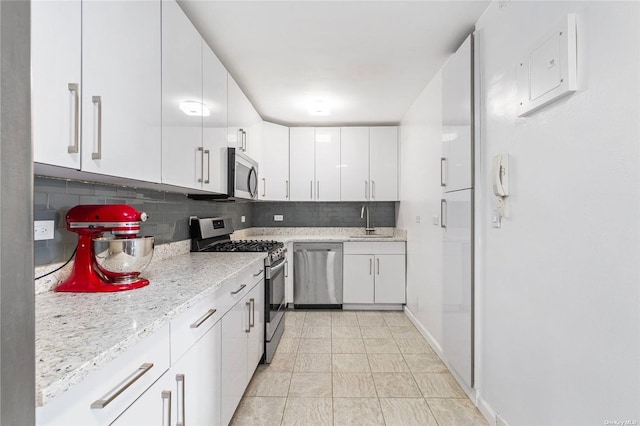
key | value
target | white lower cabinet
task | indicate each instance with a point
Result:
(374, 273)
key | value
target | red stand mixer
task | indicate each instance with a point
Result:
(106, 264)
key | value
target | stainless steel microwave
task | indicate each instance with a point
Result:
(242, 175)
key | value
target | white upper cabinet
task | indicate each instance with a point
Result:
(121, 89)
(214, 98)
(56, 30)
(327, 156)
(244, 121)
(302, 163)
(354, 156)
(274, 168)
(182, 153)
(383, 163)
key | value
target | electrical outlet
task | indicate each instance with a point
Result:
(43, 230)
(243, 219)
(278, 218)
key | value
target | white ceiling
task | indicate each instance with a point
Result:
(368, 59)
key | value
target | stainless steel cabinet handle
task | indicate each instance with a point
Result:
(370, 265)
(181, 401)
(378, 264)
(318, 190)
(443, 213)
(286, 182)
(97, 101)
(252, 316)
(166, 398)
(240, 136)
(239, 290)
(75, 89)
(443, 160)
(208, 154)
(201, 178)
(202, 319)
(286, 270)
(264, 187)
(366, 190)
(258, 273)
(311, 189)
(244, 141)
(128, 381)
(373, 189)
(248, 330)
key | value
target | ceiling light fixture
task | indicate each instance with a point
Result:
(194, 109)
(318, 107)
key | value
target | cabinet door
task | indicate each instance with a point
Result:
(55, 92)
(358, 279)
(274, 168)
(155, 407)
(383, 159)
(121, 95)
(234, 376)
(182, 154)
(390, 278)
(301, 163)
(354, 159)
(327, 154)
(214, 97)
(256, 336)
(244, 121)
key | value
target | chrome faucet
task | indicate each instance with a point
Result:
(368, 230)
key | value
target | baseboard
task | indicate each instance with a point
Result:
(428, 337)
(372, 306)
(485, 409)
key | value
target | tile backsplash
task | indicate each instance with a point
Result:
(169, 213)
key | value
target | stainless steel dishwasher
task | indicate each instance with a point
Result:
(317, 275)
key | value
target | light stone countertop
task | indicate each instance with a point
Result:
(78, 333)
(301, 234)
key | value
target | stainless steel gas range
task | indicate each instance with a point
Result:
(214, 234)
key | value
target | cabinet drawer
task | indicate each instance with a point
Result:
(391, 247)
(106, 393)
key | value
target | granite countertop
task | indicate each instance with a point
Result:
(78, 333)
(301, 234)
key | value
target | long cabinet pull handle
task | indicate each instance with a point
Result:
(122, 386)
(318, 190)
(244, 141)
(252, 317)
(258, 273)
(239, 290)
(366, 190)
(181, 399)
(311, 189)
(248, 329)
(443, 213)
(97, 101)
(370, 265)
(373, 189)
(287, 188)
(286, 268)
(378, 264)
(208, 154)
(264, 187)
(240, 132)
(443, 161)
(201, 178)
(166, 398)
(75, 89)
(203, 318)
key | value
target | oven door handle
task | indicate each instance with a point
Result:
(277, 267)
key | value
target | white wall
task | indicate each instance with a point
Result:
(420, 194)
(561, 324)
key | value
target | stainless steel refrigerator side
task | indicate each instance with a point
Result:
(17, 305)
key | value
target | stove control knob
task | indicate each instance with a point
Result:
(144, 217)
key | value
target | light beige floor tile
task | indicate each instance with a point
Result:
(357, 412)
(314, 346)
(376, 332)
(439, 385)
(259, 411)
(414, 346)
(387, 363)
(316, 332)
(456, 412)
(425, 363)
(345, 333)
(313, 363)
(371, 319)
(317, 385)
(308, 411)
(347, 346)
(396, 385)
(396, 319)
(292, 318)
(381, 346)
(281, 363)
(405, 332)
(265, 383)
(406, 412)
(314, 313)
(344, 319)
(350, 363)
(348, 385)
(292, 332)
(318, 321)
(288, 346)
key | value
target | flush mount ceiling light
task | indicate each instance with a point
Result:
(318, 107)
(194, 109)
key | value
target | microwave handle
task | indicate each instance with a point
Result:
(252, 183)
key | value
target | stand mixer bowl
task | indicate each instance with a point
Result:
(122, 260)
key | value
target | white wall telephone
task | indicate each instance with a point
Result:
(500, 175)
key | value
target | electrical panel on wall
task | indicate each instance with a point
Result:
(549, 70)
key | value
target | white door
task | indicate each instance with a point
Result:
(256, 336)
(354, 164)
(358, 276)
(302, 163)
(121, 94)
(383, 159)
(274, 168)
(327, 154)
(234, 376)
(182, 152)
(390, 278)
(55, 75)
(214, 132)
(457, 322)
